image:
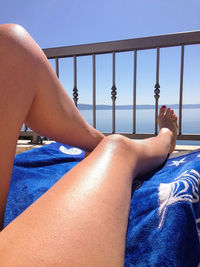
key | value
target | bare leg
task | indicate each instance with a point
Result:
(82, 220)
(45, 105)
(30, 91)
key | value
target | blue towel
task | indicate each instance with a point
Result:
(35, 171)
(164, 221)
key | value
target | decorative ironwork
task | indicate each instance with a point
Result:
(75, 95)
(75, 90)
(113, 93)
(157, 91)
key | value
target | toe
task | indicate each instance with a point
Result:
(162, 111)
(168, 112)
(171, 113)
(175, 119)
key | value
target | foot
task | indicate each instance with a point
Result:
(167, 120)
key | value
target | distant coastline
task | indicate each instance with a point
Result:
(127, 107)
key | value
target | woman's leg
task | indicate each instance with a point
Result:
(45, 106)
(82, 219)
(30, 91)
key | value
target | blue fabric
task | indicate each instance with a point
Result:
(164, 221)
(35, 171)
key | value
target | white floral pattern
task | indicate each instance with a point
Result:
(184, 188)
(177, 162)
(70, 151)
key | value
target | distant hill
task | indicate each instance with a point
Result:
(109, 107)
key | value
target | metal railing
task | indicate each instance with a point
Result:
(156, 42)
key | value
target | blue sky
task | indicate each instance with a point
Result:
(63, 22)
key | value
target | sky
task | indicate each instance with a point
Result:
(54, 23)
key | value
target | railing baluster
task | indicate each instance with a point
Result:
(181, 90)
(75, 90)
(57, 67)
(134, 91)
(113, 93)
(94, 89)
(157, 90)
(134, 45)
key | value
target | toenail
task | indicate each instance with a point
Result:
(163, 106)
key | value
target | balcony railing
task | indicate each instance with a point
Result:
(156, 42)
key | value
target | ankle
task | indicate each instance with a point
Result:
(166, 136)
(165, 131)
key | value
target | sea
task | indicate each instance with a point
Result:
(145, 121)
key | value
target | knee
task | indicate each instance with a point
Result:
(11, 32)
(17, 46)
(13, 37)
(116, 138)
(121, 144)
(117, 141)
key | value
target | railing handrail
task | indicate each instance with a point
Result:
(161, 41)
(134, 45)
